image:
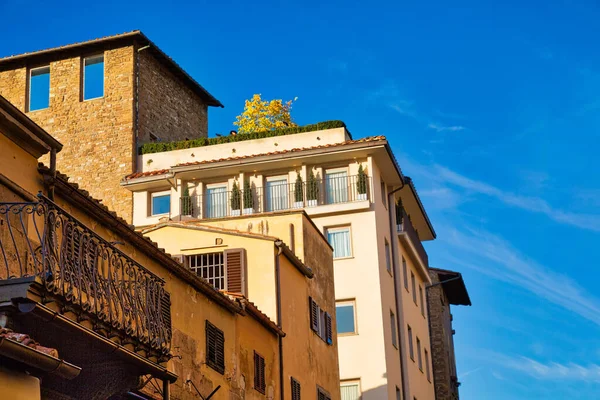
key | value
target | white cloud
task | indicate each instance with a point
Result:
(441, 128)
(550, 370)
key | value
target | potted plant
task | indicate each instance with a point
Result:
(248, 198)
(298, 192)
(312, 190)
(236, 200)
(361, 184)
(186, 202)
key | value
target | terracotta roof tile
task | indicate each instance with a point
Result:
(248, 305)
(27, 341)
(273, 153)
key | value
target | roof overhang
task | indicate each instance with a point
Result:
(414, 207)
(454, 286)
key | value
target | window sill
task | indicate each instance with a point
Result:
(92, 99)
(39, 109)
(158, 215)
(347, 334)
(343, 258)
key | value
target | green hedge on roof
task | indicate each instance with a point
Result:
(159, 147)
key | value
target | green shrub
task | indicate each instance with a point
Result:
(299, 190)
(149, 148)
(236, 197)
(248, 199)
(312, 190)
(361, 185)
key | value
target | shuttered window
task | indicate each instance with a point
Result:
(259, 373)
(235, 270)
(314, 315)
(210, 267)
(328, 333)
(322, 394)
(295, 389)
(320, 321)
(224, 270)
(215, 348)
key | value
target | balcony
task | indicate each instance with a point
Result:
(276, 197)
(405, 229)
(56, 263)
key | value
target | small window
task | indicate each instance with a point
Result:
(350, 390)
(295, 389)
(405, 273)
(419, 357)
(394, 331)
(215, 348)
(428, 372)
(322, 394)
(320, 322)
(339, 239)
(39, 88)
(411, 350)
(398, 394)
(345, 316)
(422, 300)
(413, 285)
(259, 373)
(93, 77)
(161, 203)
(383, 194)
(388, 259)
(210, 267)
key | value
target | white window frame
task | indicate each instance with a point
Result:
(352, 382)
(205, 197)
(29, 86)
(351, 302)
(338, 229)
(222, 265)
(287, 192)
(159, 194)
(333, 171)
(103, 78)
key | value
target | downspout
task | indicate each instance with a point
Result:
(52, 174)
(397, 296)
(279, 322)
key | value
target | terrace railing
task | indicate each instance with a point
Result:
(405, 225)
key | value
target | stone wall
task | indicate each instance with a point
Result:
(97, 134)
(168, 109)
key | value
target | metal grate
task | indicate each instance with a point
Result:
(210, 267)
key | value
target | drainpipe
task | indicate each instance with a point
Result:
(397, 295)
(279, 245)
(52, 174)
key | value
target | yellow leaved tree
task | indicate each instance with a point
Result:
(264, 115)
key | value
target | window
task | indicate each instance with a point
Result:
(422, 300)
(210, 267)
(345, 317)
(398, 395)
(336, 186)
(413, 285)
(383, 194)
(259, 373)
(277, 193)
(216, 201)
(322, 394)
(419, 357)
(93, 77)
(411, 350)
(350, 390)
(320, 321)
(428, 372)
(215, 348)
(394, 332)
(161, 203)
(295, 389)
(405, 273)
(339, 239)
(388, 260)
(39, 88)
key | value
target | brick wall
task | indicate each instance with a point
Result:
(168, 109)
(442, 345)
(97, 134)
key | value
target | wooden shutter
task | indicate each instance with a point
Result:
(259, 373)
(314, 315)
(295, 389)
(328, 337)
(235, 270)
(215, 348)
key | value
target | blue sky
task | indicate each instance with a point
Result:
(492, 107)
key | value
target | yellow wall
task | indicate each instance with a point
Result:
(18, 165)
(16, 385)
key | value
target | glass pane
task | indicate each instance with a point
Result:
(345, 318)
(93, 77)
(39, 89)
(336, 184)
(216, 202)
(277, 195)
(161, 204)
(340, 241)
(350, 392)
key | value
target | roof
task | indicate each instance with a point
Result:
(411, 184)
(27, 341)
(133, 37)
(25, 132)
(454, 286)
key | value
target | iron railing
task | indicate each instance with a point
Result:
(404, 224)
(84, 273)
(277, 196)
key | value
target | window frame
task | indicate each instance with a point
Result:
(325, 393)
(413, 284)
(159, 194)
(196, 269)
(422, 300)
(214, 363)
(405, 273)
(388, 257)
(394, 326)
(352, 382)
(29, 75)
(260, 383)
(345, 303)
(411, 349)
(268, 199)
(339, 229)
(383, 193)
(295, 384)
(333, 171)
(427, 369)
(419, 355)
(84, 59)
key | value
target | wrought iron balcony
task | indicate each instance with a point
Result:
(404, 225)
(276, 196)
(84, 274)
